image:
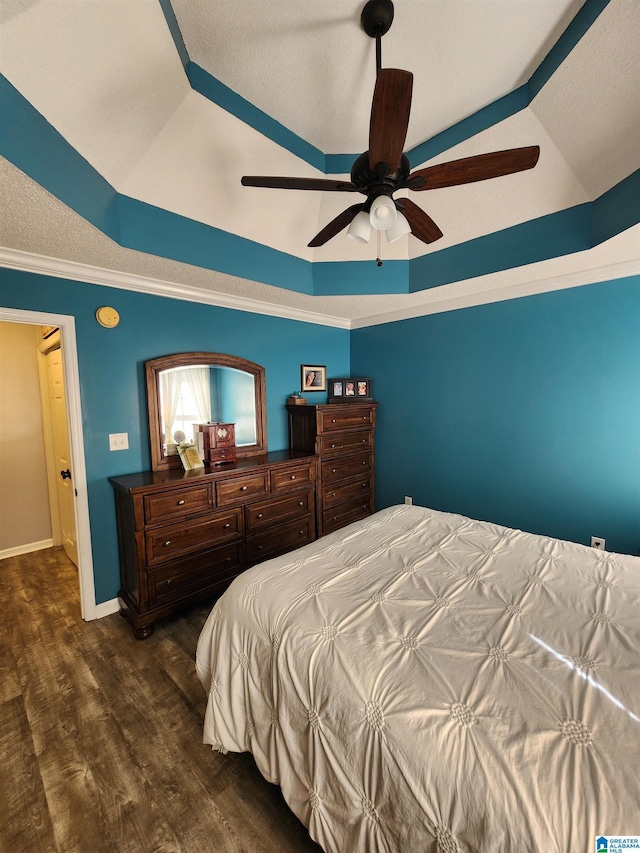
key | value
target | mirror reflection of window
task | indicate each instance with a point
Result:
(200, 394)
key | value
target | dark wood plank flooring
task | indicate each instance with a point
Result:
(101, 735)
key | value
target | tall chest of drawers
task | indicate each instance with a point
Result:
(184, 536)
(342, 436)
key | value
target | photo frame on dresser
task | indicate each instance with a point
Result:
(350, 389)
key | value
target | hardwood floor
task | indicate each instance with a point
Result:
(101, 735)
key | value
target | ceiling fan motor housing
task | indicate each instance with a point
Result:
(370, 183)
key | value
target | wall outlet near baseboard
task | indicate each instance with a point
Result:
(408, 500)
(597, 542)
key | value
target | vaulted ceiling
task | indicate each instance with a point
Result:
(131, 122)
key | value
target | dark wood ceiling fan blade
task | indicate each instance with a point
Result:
(325, 184)
(478, 168)
(389, 117)
(336, 225)
(422, 225)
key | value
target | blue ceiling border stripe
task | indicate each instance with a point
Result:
(32, 144)
(228, 100)
(151, 229)
(581, 23)
(556, 234)
(616, 210)
(174, 29)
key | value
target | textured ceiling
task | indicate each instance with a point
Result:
(312, 67)
(109, 77)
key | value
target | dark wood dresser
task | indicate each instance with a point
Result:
(184, 535)
(341, 434)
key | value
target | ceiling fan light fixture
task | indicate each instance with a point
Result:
(400, 228)
(383, 213)
(360, 228)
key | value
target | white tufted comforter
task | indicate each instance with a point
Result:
(420, 681)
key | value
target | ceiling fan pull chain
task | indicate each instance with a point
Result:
(378, 248)
(378, 53)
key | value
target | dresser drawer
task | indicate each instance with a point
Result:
(167, 542)
(358, 490)
(277, 511)
(347, 418)
(272, 542)
(241, 489)
(337, 517)
(290, 478)
(164, 507)
(343, 468)
(195, 575)
(333, 445)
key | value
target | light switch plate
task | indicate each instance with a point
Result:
(118, 441)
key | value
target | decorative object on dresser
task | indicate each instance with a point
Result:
(349, 390)
(341, 434)
(184, 536)
(216, 442)
(190, 456)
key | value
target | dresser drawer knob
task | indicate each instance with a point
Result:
(332, 445)
(293, 476)
(227, 525)
(301, 532)
(243, 488)
(333, 470)
(364, 485)
(169, 582)
(300, 503)
(364, 461)
(181, 503)
(167, 543)
(259, 515)
(364, 440)
(228, 560)
(333, 420)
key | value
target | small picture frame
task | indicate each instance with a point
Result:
(190, 457)
(349, 389)
(313, 377)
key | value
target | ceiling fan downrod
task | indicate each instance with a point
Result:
(376, 20)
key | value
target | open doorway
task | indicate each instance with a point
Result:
(77, 523)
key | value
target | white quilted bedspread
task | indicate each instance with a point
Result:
(420, 681)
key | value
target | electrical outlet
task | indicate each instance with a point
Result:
(118, 441)
(408, 500)
(597, 542)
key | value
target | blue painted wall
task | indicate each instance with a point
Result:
(111, 363)
(525, 413)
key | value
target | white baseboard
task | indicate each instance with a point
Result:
(26, 549)
(107, 608)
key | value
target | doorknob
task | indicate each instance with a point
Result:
(66, 475)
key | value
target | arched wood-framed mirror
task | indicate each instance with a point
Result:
(196, 387)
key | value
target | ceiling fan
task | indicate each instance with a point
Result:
(384, 168)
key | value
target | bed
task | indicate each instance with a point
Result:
(420, 681)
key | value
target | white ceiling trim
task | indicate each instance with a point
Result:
(27, 262)
(442, 302)
(624, 269)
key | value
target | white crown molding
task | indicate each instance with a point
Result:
(471, 292)
(443, 302)
(28, 262)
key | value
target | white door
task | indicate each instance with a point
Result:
(60, 436)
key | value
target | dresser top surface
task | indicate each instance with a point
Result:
(177, 476)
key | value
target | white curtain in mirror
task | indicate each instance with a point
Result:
(170, 384)
(198, 381)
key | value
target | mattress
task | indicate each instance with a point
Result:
(421, 681)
